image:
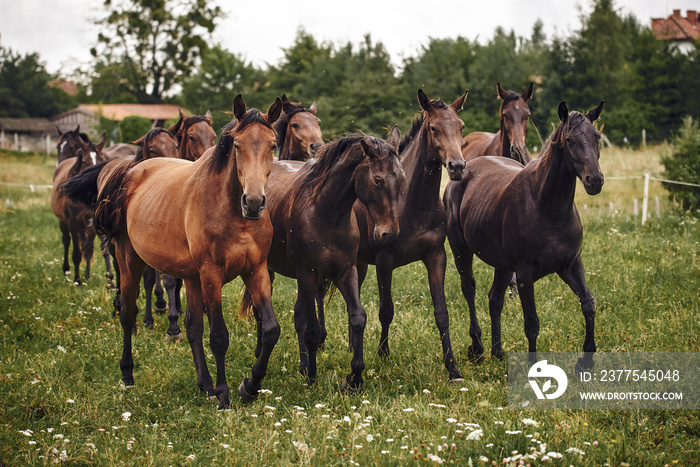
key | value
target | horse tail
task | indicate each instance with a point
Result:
(246, 308)
(110, 213)
(82, 188)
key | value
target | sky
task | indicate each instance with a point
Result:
(62, 31)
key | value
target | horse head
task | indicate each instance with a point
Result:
(158, 142)
(298, 131)
(70, 142)
(86, 153)
(514, 114)
(194, 135)
(379, 182)
(580, 141)
(253, 149)
(442, 129)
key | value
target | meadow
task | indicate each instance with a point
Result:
(63, 401)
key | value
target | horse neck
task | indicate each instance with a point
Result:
(337, 195)
(289, 151)
(423, 177)
(554, 183)
(232, 188)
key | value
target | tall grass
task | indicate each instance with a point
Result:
(63, 401)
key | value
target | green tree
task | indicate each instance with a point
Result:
(149, 45)
(24, 88)
(683, 165)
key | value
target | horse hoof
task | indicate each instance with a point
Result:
(349, 389)
(243, 392)
(582, 364)
(148, 325)
(161, 311)
(173, 337)
(457, 381)
(475, 356)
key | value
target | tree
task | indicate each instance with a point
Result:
(149, 45)
(24, 88)
(683, 165)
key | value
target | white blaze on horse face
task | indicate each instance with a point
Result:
(63, 146)
(93, 157)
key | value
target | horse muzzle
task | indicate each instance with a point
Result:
(593, 184)
(253, 207)
(455, 169)
(384, 236)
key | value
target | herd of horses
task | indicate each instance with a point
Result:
(270, 197)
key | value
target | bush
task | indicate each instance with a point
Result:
(134, 127)
(683, 165)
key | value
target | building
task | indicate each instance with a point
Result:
(681, 31)
(88, 115)
(27, 134)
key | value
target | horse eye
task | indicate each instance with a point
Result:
(379, 183)
(274, 147)
(295, 125)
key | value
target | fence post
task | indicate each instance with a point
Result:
(645, 200)
(658, 206)
(644, 138)
(16, 142)
(48, 145)
(636, 207)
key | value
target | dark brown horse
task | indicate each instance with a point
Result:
(211, 217)
(72, 141)
(509, 141)
(434, 142)
(524, 220)
(74, 217)
(298, 131)
(316, 237)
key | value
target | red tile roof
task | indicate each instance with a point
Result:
(677, 28)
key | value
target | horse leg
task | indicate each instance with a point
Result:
(194, 322)
(306, 324)
(436, 263)
(256, 315)
(497, 293)
(65, 238)
(258, 284)
(386, 303)
(320, 295)
(108, 264)
(526, 291)
(161, 304)
(349, 287)
(575, 277)
(88, 250)
(76, 236)
(149, 281)
(131, 271)
(118, 294)
(211, 283)
(172, 287)
(361, 275)
(464, 258)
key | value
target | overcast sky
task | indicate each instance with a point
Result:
(62, 31)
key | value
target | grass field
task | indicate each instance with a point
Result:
(63, 401)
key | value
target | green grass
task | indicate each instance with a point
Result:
(63, 400)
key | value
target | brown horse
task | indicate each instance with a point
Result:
(72, 141)
(316, 237)
(434, 142)
(211, 216)
(298, 131)
(120, 150)
(509, 141)
(74, 217)
(194, 135)
(524, 220)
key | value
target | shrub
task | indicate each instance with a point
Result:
(683, 165)
(133, 127)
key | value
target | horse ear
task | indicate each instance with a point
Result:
(424, 101)
(501, 92)
(275, 110)
(77, 129)
(208, 116)
(595, 113)
(563, 112)
(175, 128)
(239, 107)
(313, 108)
(394, 137)
(458, 104)
(102, 142)
(528, 94)
(139, 141)
(58, 130)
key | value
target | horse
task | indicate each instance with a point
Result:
(120, 150)
(298, 131)
(72, 141)
(433, 142)
(316, 236)
(509, 141)
(211, 216)
(74, 217)
(524, 220)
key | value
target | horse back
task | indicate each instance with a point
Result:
(478, 143)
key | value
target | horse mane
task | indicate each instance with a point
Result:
(510, 97)
(188, 122)
(219, 159)
(141, 153)
(558, 136)
(418, 124)
(331, 155)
